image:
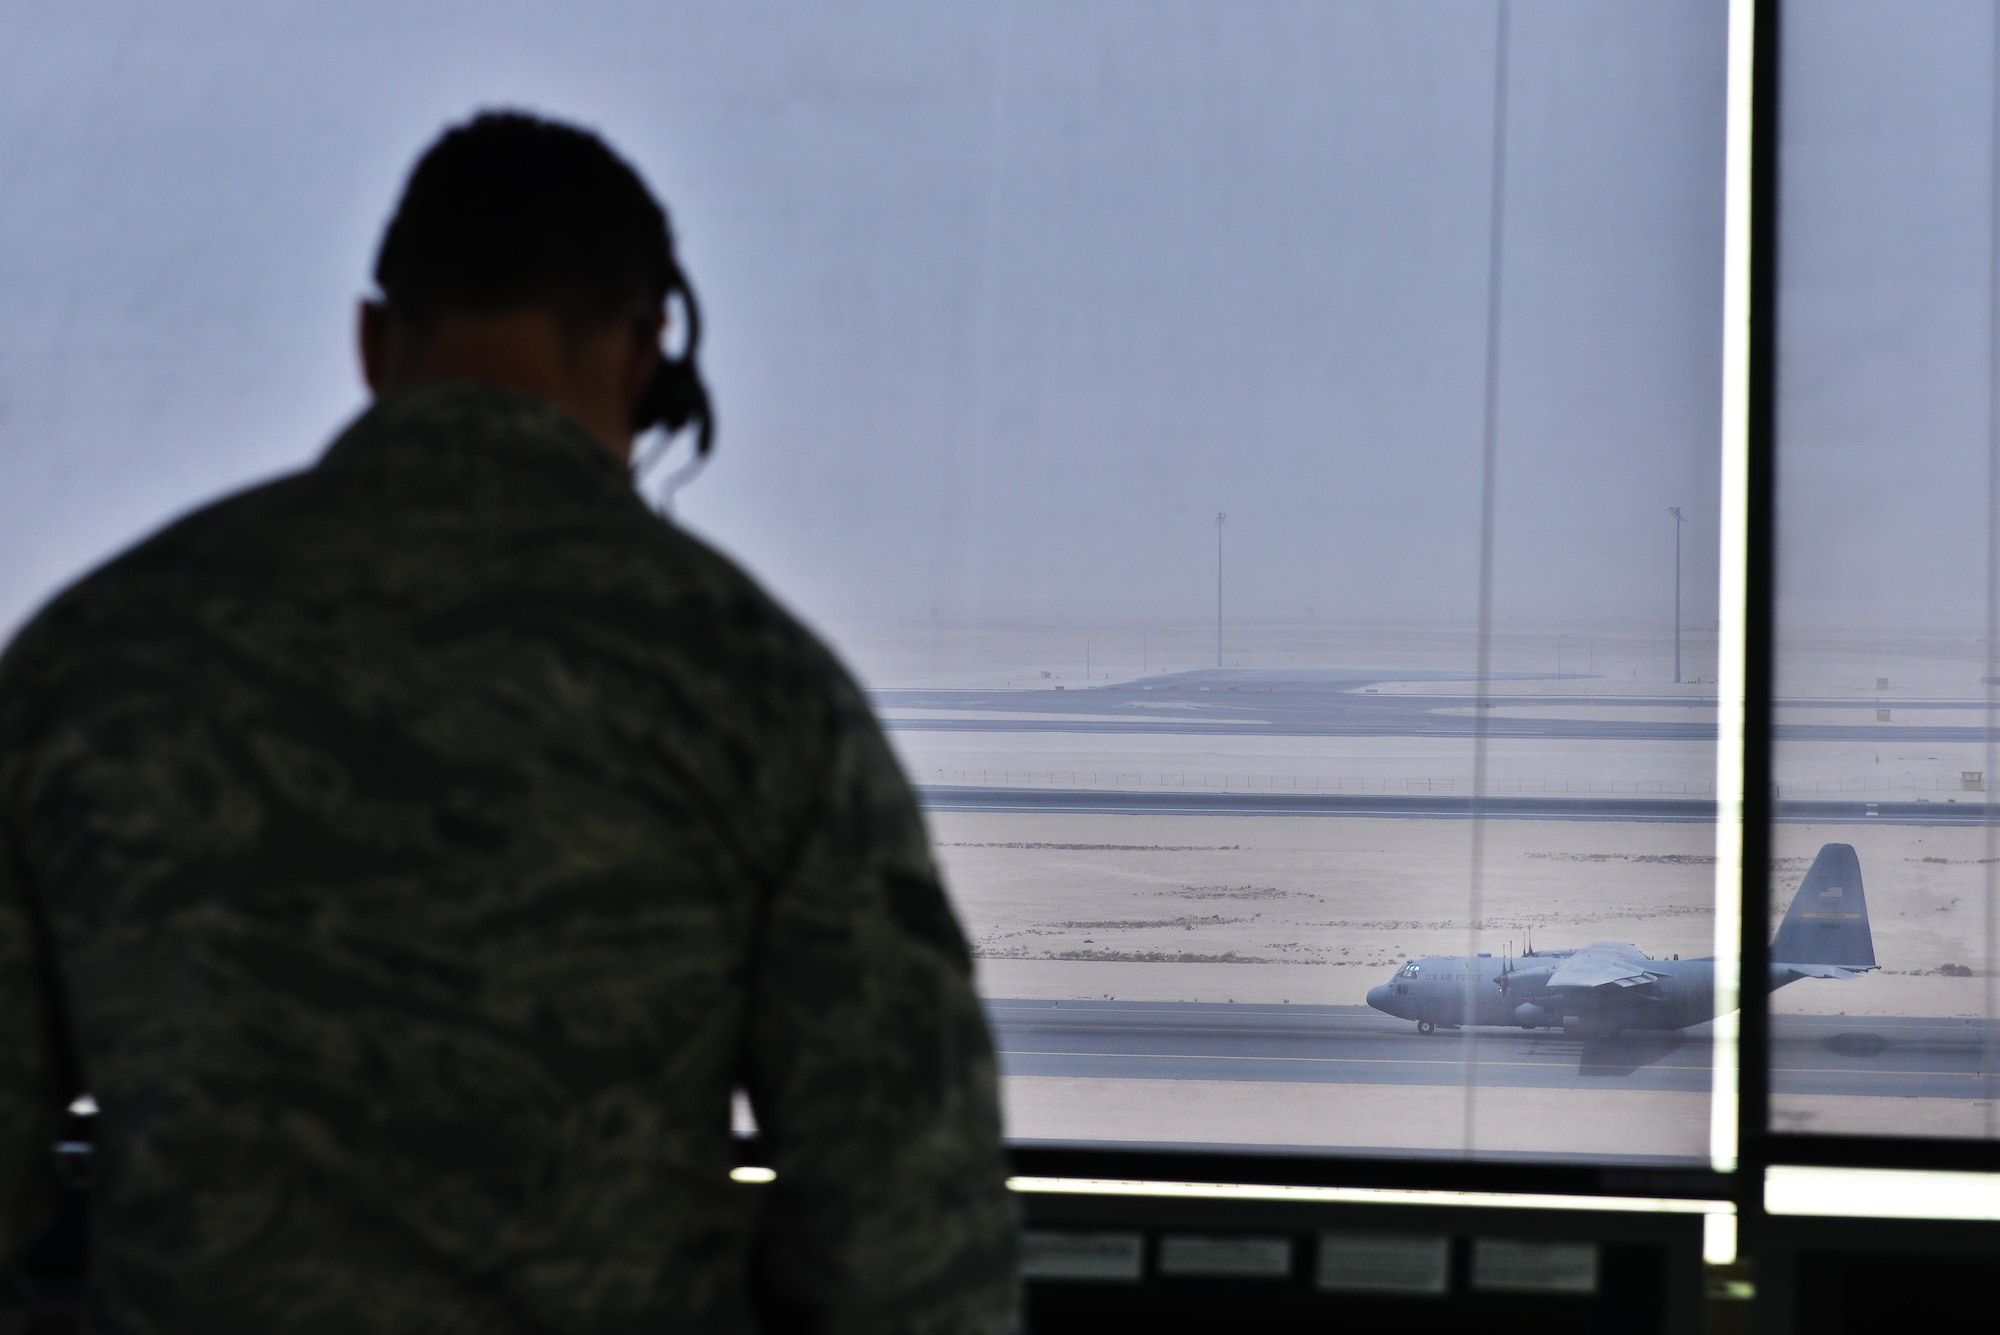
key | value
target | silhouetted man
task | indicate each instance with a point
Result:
(412, 854)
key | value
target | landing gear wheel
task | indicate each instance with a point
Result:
(1426, 1027)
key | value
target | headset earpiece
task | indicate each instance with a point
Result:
(676, 399)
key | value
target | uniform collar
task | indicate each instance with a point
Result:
(464, 425)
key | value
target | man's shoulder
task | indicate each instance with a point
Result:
(142, 580)
(257, 558)
(746, 618)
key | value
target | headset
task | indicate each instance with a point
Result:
(675, 399)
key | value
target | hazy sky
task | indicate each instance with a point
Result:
(1886, 301)
(1006, 300)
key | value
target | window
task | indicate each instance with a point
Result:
(1263, 458)
(1885, 684)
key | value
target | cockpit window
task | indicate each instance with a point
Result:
(1409, 971)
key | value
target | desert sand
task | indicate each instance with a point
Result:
(1316, 910)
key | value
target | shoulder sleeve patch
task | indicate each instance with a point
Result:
(918, 905)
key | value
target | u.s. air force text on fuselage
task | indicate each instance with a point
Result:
(1611, 986)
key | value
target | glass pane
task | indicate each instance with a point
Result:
(1886, 671)
(1241, 474)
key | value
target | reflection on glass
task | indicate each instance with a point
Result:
(1886, 646)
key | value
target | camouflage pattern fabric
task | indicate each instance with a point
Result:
(410, 855)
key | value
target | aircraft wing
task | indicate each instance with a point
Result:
(1606, 964)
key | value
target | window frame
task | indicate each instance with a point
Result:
(1763, 1147)
(1758, 1146)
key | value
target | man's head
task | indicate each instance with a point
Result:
(527, 255)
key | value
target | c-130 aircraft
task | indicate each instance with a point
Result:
(1607, 987)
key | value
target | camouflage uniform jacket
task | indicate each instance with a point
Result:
(410, 856)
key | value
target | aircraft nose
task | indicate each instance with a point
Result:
(1378, 997)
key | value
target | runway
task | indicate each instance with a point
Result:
(1820, 1054)
(1246, 703)
(1422, 806)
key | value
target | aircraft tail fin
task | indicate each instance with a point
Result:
(1827, 923)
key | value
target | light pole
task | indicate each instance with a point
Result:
(1219, 517)
(1679, 519)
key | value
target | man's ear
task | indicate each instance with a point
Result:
(371, 330)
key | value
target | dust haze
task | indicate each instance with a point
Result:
(1007, 301)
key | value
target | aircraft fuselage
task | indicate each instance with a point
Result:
(1447, 990)
(1610, 985)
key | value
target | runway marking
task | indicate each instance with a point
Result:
(1557, 1066)
(1886, 1071)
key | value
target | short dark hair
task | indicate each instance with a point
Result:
(510, 210)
